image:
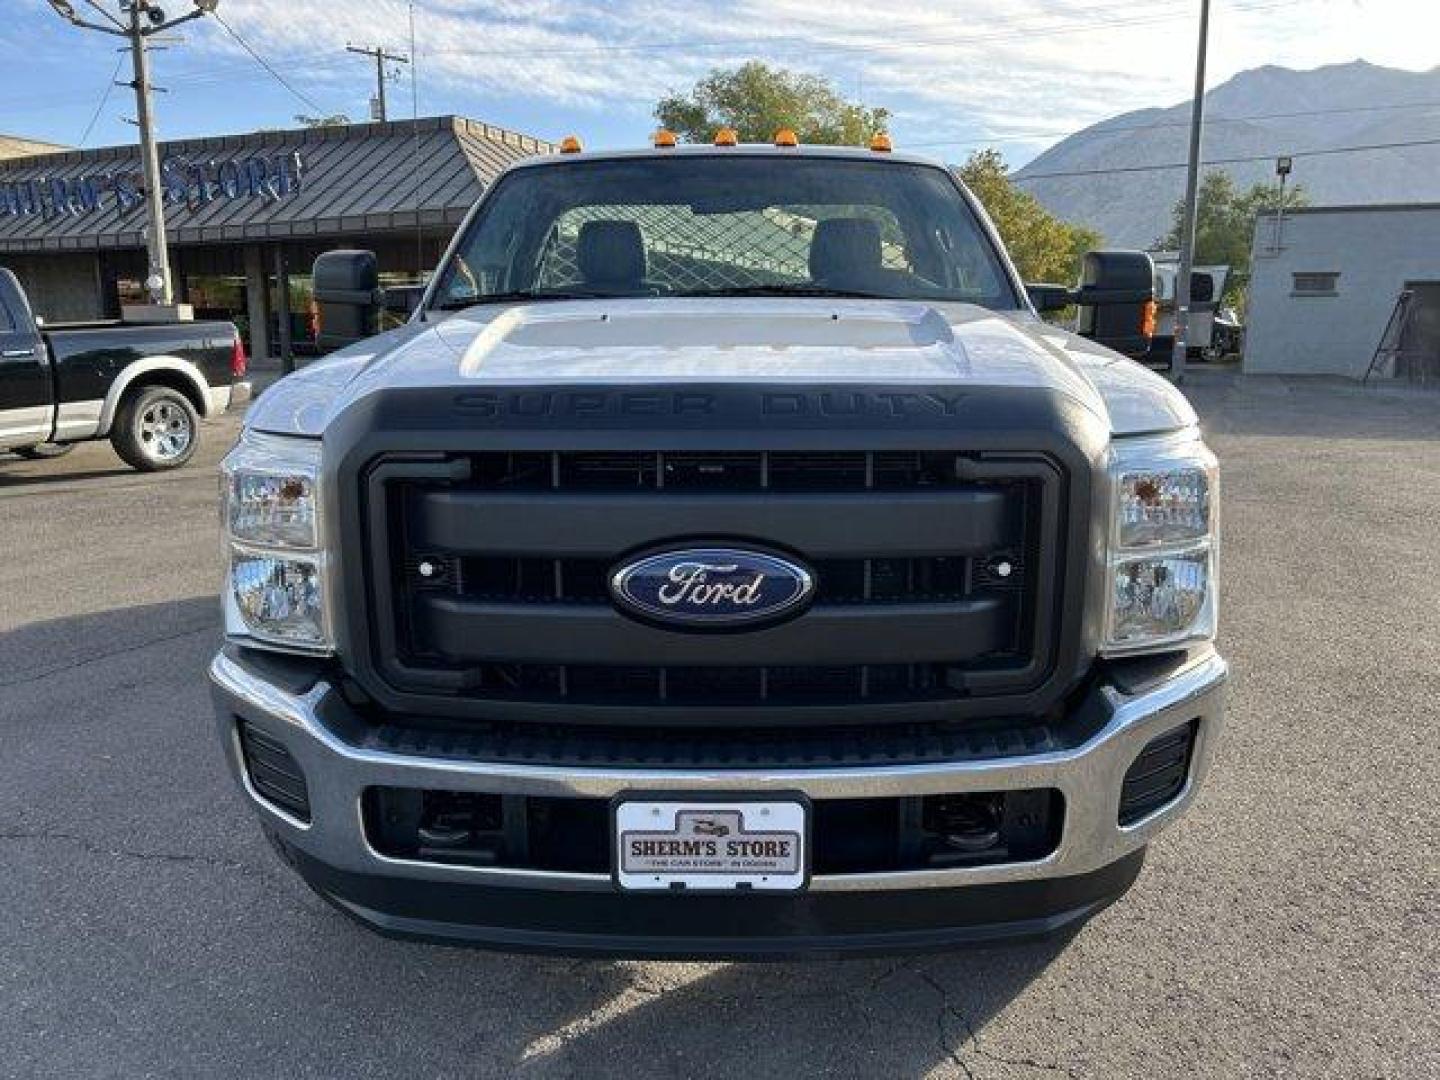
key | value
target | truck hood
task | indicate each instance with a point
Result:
(771, 340)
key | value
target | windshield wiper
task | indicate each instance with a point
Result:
(518, 296)
(784, 289)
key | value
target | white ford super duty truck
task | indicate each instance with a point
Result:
(724, 560)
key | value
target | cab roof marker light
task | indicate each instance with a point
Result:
(880, 142)
(727, 136)
(786, 137)
(571, 145)
(664, 140)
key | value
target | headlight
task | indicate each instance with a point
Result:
(269, 492)
(275, 590)
(1164, 545)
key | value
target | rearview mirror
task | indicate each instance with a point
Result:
(1117, 300)
(347, 298)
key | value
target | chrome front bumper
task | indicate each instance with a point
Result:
(1089, 776)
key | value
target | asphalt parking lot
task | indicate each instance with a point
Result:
(1289, 926)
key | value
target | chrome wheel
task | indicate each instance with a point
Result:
(166, 430)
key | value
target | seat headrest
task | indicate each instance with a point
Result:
(611, 253)
(844, 248)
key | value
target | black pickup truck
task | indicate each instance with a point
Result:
(145, 387)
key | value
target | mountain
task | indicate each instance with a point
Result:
(1253, 114)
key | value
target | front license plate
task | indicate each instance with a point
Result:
(710, 846)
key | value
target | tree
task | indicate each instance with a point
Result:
(1044, 247)
(757, 100)
(1225, 226)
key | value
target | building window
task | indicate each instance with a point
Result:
(1316, 283)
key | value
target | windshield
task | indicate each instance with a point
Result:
(695, 225)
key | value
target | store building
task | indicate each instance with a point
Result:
(246, 215)
(1326, 287)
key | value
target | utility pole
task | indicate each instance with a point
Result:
(380, 56)
(1192, 195)
(145, 19)
(162, 290)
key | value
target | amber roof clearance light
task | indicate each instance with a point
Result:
(727, 137)
(570, 145)
(664, 140)
(786, 137)
(880, 142)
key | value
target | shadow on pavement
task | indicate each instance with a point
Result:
(38, 473)
(893, 1017)
(53, 647)
(137, 870)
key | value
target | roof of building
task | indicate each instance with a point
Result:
(355, 179)
(12, 146)
(1354, 208)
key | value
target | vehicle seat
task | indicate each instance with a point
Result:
(611, 256)
(845, 253)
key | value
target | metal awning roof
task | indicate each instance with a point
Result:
(355, 180)
(13, 146)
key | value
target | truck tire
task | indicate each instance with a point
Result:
(44, 451)
(156, 428)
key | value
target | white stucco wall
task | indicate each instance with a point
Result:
(1375, 250)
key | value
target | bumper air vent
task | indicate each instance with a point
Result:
(1158, 775)
(274, 774)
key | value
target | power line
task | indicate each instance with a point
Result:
(1227, 161)
(104, 97)
(309, 103)
(1024, 28)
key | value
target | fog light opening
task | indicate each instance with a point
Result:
(965, 823)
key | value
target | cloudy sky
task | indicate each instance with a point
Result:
(1017, 74)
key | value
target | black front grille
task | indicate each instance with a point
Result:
(274, 773)
(746, 685)
(1158, 775)
(525, 579)
(713, 471)
(936, 574)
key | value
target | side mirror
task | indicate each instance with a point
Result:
(347, 298)
(1050, 297)
(1117, 300)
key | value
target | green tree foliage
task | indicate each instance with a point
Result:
(1225, 226)
(1044, 247)
(757, 100)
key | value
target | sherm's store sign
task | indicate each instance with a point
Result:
(193, 183)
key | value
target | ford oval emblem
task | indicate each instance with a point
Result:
(715, 588)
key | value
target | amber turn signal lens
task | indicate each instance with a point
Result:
(1148, 315)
